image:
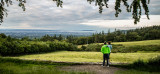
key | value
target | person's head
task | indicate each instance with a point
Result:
(105, 43)
(109, 43)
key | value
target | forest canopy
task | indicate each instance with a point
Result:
(133, 6)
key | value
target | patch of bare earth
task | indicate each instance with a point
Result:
(97, 69)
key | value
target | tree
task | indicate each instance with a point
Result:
(60, 37)
(135, 7)
(55, 37)
(4, 3)
(2, 35)
(132, 36)
(120, 38)
(152, 34)
(7, 3)
(110, 37)
(25, 38)
(47, 38)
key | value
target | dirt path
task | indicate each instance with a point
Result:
(97, 69)
(86, 67)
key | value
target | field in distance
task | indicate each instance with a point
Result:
(145, 42)
(133, 43)
(79, 56)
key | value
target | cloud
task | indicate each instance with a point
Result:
(124, 24)
(75, 15)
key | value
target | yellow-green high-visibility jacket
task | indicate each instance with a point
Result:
(105, 49)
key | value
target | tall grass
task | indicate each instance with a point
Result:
(150, 66)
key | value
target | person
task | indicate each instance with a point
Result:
(106, 51)
(110, 46)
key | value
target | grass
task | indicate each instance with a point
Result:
(15, 66)
(8, 67)
(75, 56)
(145, 42)
(141, 67)
(133, 43)
(132, 71)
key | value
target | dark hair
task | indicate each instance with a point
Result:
(109, 42)
(105, 42)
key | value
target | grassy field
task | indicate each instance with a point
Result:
(15, 66)
(73, 56)
(146, 42)
(133, 43)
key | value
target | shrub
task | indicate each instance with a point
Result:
(153, 65)
(93, 47)
(126, 49)
(83, 47)
(117, 48)
(26, 47)
(58, 45)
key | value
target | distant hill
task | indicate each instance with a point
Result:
(32, 33)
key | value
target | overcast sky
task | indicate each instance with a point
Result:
(75, 15)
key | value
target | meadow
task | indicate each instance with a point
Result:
(145, 42)
(126, 47)
(8, 67)
(132, 43)
(79, 56)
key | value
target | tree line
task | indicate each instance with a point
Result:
(143, 33)
(12, 46)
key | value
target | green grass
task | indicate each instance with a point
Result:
(133, 43)
(132, 71)
(15, 66)
(74, 56)
(141, 67)
(146, 42)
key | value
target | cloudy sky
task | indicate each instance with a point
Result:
(75, 15)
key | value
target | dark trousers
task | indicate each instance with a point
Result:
(105, 57)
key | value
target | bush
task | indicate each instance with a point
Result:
(126, 49)
(154, 61)
(83, 47)
(153, 65)
(25, 47)
(117, 48)
(93, 47)
(58, 45)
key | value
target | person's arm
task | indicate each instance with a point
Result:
(111, 47)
